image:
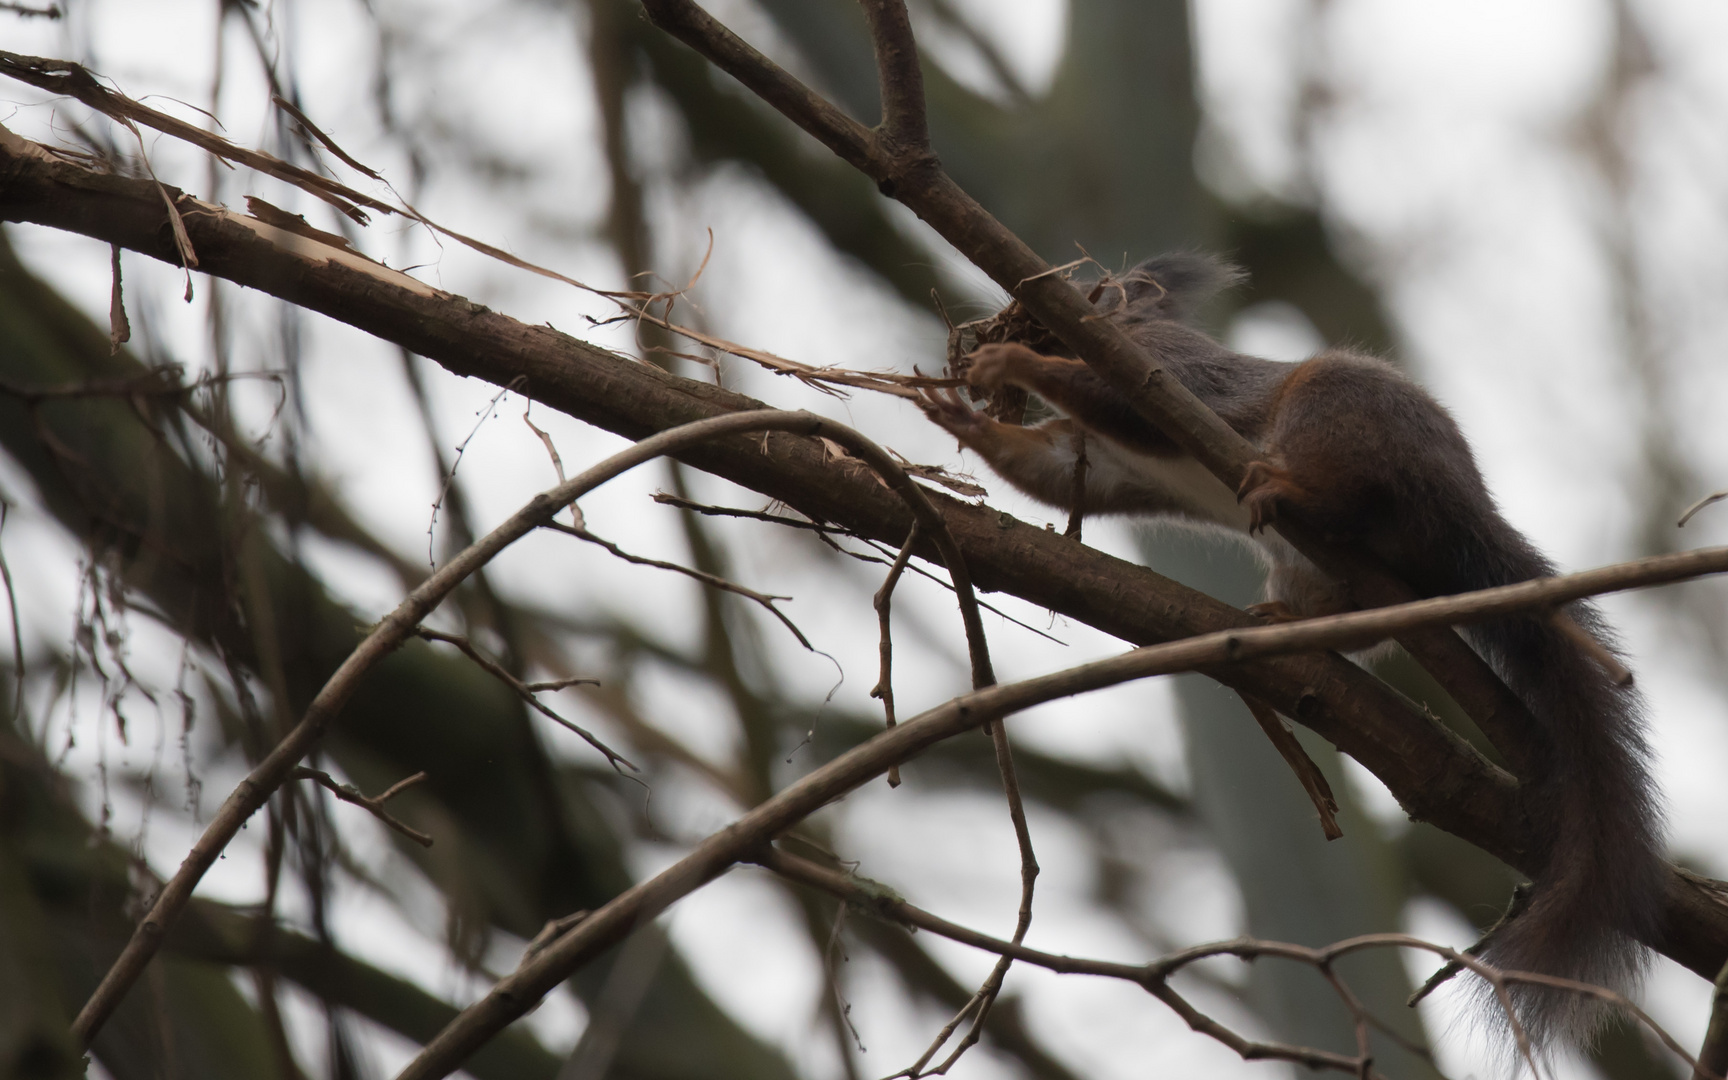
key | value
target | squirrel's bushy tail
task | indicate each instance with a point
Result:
(1173, 285)
(1599, 881)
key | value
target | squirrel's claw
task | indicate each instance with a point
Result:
(945, 407)
(1264, 486)
(1273, 612)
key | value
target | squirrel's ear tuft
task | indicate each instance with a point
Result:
(1173, 286)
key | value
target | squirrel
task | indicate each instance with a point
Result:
(1363, 456)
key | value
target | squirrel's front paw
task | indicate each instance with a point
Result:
(946, 408)
(993, 366)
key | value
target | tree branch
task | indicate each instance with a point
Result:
(912, 175)
(884, 904)
(747, 838)
(880, 901)
(883, 603)
(526, 692)
(374, 804)
(390, 633)
(904, 125)
(1713, 1055)
(1435, 775)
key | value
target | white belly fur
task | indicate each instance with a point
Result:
(1182, 492)
(1178, 483)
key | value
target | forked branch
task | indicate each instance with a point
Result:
(904, 124)
(400, 624)
(911, 174)
(883, 903)
(747, 838)
(374, 804)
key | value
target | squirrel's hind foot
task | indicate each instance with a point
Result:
(1263, 489)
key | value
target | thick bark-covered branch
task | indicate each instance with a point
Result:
(1421, 760)
(749, 838)
(909, 171)
(404, 621)
(1436, 776)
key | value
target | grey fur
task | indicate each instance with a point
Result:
(1175, 285)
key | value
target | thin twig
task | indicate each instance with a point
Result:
(1359, 1019)
(714, 580)
(1713, 1055)
(557, 462)
(119, 327)
(882, 602)
(882, 902)
(665, 498)
(269, 774)
(822, 531)
(1077, 495)
(526, 692)
(1312, 779)
(1585, 642)
(318, 133)
(448, 480)
(837, 947)
(552, 931)
(982, 1002)
(1713, 497)
(17, 633)
(372, 803)
(1521, 895)
(747, 837)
